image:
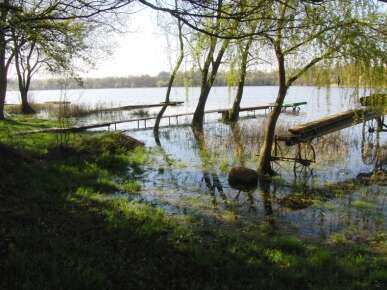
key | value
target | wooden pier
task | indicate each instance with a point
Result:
(144, 123)
(296, 107)
(145, 106)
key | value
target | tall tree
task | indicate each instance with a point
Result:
(171, 81)
(210, 50)
(41, 14)
(306, 35)
(51, 49)
(243, 48)
(27, 62)
(5, 55)
(209, 71)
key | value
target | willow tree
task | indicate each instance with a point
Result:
(306, 35)
(243, 56)
(209, 69)
(216, 22)
(208, 54)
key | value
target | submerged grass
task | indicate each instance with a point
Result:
(62, 227)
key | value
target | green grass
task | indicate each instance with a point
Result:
(65, 224)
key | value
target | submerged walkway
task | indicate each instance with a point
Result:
(144, 123)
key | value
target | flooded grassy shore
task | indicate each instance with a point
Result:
(117, 216)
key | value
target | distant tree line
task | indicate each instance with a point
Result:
(253, 78)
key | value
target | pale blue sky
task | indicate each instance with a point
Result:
(142, 50)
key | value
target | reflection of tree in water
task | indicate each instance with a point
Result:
(167, 160)
(267, 192)
(239, 148)
(373, 153)
(300, 202)
(210, 176)
(238, 142)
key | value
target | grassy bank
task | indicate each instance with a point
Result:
(66, 223)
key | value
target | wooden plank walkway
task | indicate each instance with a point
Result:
(295, 106)
(143, 121)
(135, 107)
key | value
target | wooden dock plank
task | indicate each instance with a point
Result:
(135, 107)
(244, 109)
(314, 125)
(323, 126)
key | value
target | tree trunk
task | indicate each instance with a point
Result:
(208, 79)
(239, 146)
(3, 85)
(170, 84)
(24, 75)
(233, 114)
(198, 117)
(25, 106)
(264, 166)
(157, 123)
(3, 65)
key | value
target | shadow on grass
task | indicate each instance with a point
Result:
(60, 230)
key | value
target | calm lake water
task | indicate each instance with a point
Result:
(190, 176)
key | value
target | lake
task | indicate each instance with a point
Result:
(187, 175)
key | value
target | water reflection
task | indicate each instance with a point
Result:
(344, 191)
(316, 205)
(210, 176)
(268, 191)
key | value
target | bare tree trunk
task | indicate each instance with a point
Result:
(24, 74)
(3, 65)
(170, 83)
(264, 166)
(3, 83)
(206, 85)
(233, 114)
(25, 106)
(198, 117)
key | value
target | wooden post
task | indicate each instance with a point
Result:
(145, 123)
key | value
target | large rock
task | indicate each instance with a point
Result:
(242, 177)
